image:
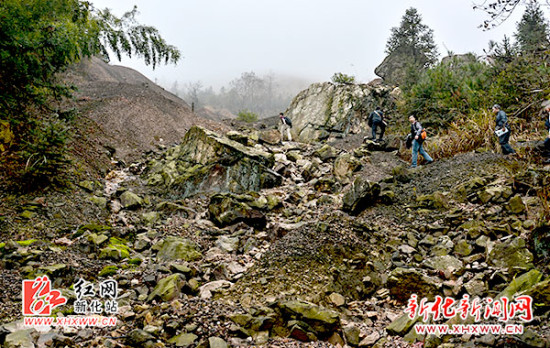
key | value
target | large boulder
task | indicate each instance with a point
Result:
(321, 321)
(227, 209)
(177, 248)
(208, 162)
(326, 108)
(511, 254)
(345, 165)
(392, 69)
(361, 194)
(405, 282)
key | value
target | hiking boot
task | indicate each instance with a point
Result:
(429, 162)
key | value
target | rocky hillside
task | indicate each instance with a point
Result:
(237, 240)
(124, 113)
(327, 110)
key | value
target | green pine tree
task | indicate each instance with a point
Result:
(413, 40)
(532, 31)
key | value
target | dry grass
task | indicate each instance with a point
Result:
(465, 135)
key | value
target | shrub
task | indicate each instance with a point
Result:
(450, 90)
(465, 135)
(247, 116)
(342, 79)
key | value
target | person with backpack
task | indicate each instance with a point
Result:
(286, 124)
(547, 140)
(418, 134)
(502, 130)
(375, 120)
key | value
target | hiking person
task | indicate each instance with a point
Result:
(547, 140)
(502, 130)
(416, 135)
(375, 120)
(286, 124)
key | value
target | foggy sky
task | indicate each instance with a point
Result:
(312, 39)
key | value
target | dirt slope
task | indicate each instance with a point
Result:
(128, 113)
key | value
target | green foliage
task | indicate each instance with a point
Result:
(522, 84)
(502, 53)
(342, 79)
(247, 116)
(44, 151)
(126, 36)
(413, 40)
(454, 87)
(39, 39)
(460, 87)
(532, 31)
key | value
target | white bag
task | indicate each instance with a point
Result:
(500, 132)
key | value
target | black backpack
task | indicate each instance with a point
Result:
(288, 121)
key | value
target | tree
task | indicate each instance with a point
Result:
(248, 88)
(39, 39)
(532, 31)
(342, 79)
(192, 91)
(413, 39)
(410, 48)
(501, 53)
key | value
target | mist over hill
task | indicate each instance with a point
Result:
(264, 95)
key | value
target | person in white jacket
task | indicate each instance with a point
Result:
(285, 125)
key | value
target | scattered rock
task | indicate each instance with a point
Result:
(511, 254)
(322, 321)
(168, 288)
(226, 209)
(208, 290)
(130, 200)
(184, 340)
(216, 342)
(361, 194)
(405, 282)
(19, 339)
(176, 248)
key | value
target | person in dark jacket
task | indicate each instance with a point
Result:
(376, 119)
(416, 130)
(502, 125)
(547, 140)
(284, 126)
(547, 125)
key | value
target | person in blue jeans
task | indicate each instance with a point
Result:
(416, 129)
(501, 122)
(376, 119)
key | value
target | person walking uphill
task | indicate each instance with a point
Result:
(547, 140)
(502, 130)
(376, 119)
(416, 134)
(286, 124)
